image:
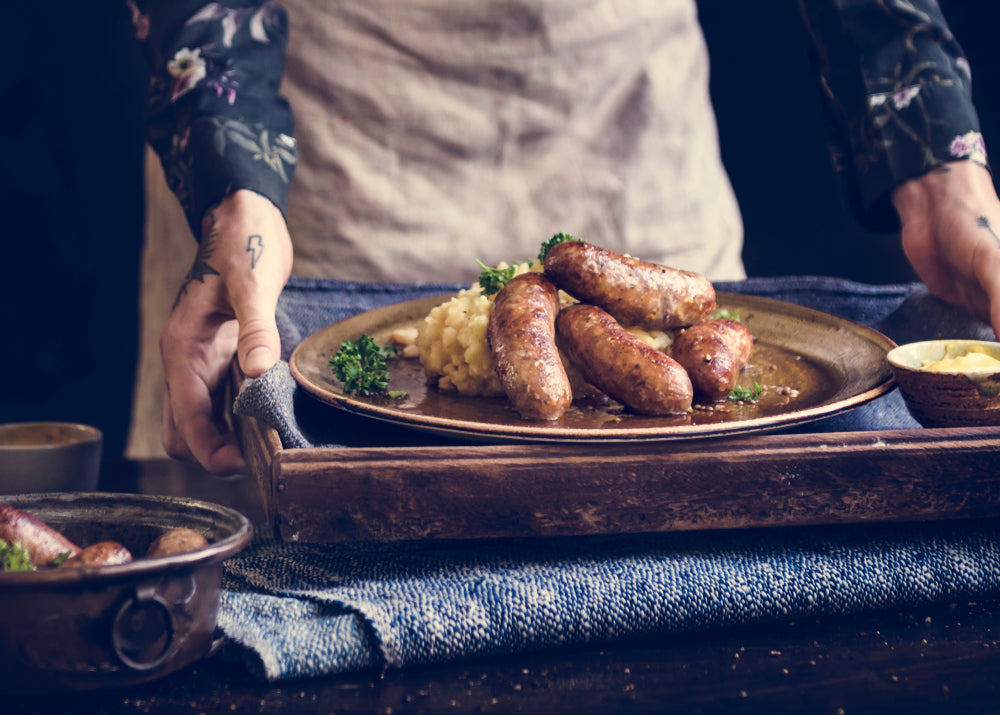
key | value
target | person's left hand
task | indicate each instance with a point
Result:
(226, 306)
(951, 236)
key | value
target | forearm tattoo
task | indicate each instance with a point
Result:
(984, 222)
(201, 268)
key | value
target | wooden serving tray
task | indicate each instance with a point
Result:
(518, 490)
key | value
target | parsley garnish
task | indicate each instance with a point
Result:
(14, 557)
(746, 394)
(726, 314)
(558, 238)
(361, 365)
(492, 280)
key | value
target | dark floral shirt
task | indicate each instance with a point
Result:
(896, 82)
(214, 113)
(898, 93)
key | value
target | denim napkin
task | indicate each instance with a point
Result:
(298, 610)
(304, 610)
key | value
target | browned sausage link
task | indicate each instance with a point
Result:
(176, 541)
(714, 353)
(521, 336)
(103, 553)
(636, 293)
(642, 378)
(43, 543)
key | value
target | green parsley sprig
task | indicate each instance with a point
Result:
(14, 557)
(746, 394)
(558, 238)
(727, 314)
(361, 365)
(492, 280)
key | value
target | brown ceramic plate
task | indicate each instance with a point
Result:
(812, 364)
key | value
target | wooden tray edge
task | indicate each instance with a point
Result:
(537, 490)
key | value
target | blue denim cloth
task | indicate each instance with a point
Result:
(301, 610)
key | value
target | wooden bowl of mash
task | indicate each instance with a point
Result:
(949, 383)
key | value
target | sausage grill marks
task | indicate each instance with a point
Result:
(644, 379)
(634, 292)
(521, 336)
(714, 353)
(527, 330)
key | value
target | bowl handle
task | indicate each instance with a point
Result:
(142, 632)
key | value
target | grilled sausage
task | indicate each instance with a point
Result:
(103, 553)
(521, 336)
(714, 353)
(636, 293)
(43, 543)
(642, 378)
(176, 541)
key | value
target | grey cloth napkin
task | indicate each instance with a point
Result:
(303, 610)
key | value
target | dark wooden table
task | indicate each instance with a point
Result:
(939, 659)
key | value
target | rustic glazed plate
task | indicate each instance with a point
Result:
(812, 365)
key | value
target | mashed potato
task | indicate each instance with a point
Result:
(659, 339)
(451, 341)
(452, 345)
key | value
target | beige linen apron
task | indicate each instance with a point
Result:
(433, 133)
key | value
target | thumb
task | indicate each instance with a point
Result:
(258, 346)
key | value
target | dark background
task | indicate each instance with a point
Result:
(71, 90)
(773, 141)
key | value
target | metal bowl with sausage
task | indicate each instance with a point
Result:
(118, 606)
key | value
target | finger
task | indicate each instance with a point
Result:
(191, 427)
(170, 436)
(987, 269)
(195, 431)
(254, 303)
(258, 345)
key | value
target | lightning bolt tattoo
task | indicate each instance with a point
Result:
(255, 247)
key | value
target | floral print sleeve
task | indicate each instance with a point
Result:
(898, 91)
(214, 114)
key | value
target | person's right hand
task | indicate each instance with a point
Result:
(225, 306)
(951, 235)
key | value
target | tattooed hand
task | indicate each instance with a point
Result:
(951, 235)
(225, 306)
